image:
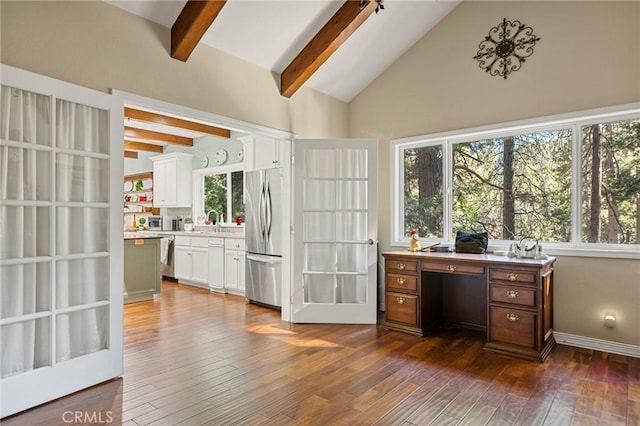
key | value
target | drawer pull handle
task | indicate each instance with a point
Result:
(512, 294)
(451, 268)
(400, 300)
(512, 277)
(513, 317)
(401, 281)
(402, 266)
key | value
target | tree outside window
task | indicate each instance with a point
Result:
(514, 187)
(611, 182)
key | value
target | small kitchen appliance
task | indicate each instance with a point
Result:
(161, 223)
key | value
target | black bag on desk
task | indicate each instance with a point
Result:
(471, 242)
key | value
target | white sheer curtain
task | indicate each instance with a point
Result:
(335, 225)
(24, 121)
(80, 230)
(29, 164)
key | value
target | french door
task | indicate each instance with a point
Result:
(61, 246)
(335, 238)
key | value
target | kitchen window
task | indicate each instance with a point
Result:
(571, 181)
(219, 189)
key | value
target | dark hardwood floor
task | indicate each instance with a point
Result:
(196, 358)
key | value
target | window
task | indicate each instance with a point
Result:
(514, 186)
(610, 166)
(219, 189)
(569, 181)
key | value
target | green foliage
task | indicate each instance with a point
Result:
(215, 194)
(620, 182)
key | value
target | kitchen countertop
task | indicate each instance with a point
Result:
(140, 235)
(219, 234)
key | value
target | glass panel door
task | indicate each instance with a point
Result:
(335, 238)
(61, 246)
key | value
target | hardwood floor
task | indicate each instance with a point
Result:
(196, 358)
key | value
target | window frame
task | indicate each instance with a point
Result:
(573, 121)
(198, 187)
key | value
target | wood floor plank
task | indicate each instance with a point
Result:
(198, 358)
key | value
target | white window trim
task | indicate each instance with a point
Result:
(574, 121)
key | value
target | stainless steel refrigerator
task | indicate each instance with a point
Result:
(263, 233)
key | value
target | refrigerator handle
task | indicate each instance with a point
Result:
(268, 213)
(261, 210)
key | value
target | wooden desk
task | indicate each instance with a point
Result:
(510, 299)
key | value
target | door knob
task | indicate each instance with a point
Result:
(371, 241)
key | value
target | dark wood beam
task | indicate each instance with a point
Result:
(132, 132)
(130, 154)
(152, 117)
(334, 33)
(140, 146)
(194, 20)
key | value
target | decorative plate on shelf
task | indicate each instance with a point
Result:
(128, 185)
(201, 219)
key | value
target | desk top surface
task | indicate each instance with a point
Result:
(469, 257)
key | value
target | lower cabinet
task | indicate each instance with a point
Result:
(235, 260)
(191, 261)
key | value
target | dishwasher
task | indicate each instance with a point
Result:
(166, 257)
(215, 257)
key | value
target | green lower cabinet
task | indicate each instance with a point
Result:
(142, 269)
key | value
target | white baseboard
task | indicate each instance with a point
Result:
(597, 344)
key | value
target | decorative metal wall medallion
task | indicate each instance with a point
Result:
(505, 48)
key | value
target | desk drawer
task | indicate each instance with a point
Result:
(394, 265)
(402, 282)
(523, 277)
(513, 326)
(402, 308)
(453, 268)
(521, 296)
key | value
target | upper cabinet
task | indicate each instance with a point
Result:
(261, 152)
(172, 180)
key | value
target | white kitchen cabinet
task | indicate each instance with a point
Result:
(216, 264)
(235, 260)
(172, 180)
(261, 152)
(191, 258)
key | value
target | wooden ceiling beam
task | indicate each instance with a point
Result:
(152, 117)
(132, 132)
(141, 146)
(130, 154)
(194, 20)
(334, 33)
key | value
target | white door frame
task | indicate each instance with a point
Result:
(150, 104)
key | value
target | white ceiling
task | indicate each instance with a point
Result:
(270, 33)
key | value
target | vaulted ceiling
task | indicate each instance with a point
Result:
(330, 46)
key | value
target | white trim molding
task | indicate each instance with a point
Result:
(597, 344)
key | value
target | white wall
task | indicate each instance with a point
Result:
(588, 57)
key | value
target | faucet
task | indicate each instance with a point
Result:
(217, 217)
